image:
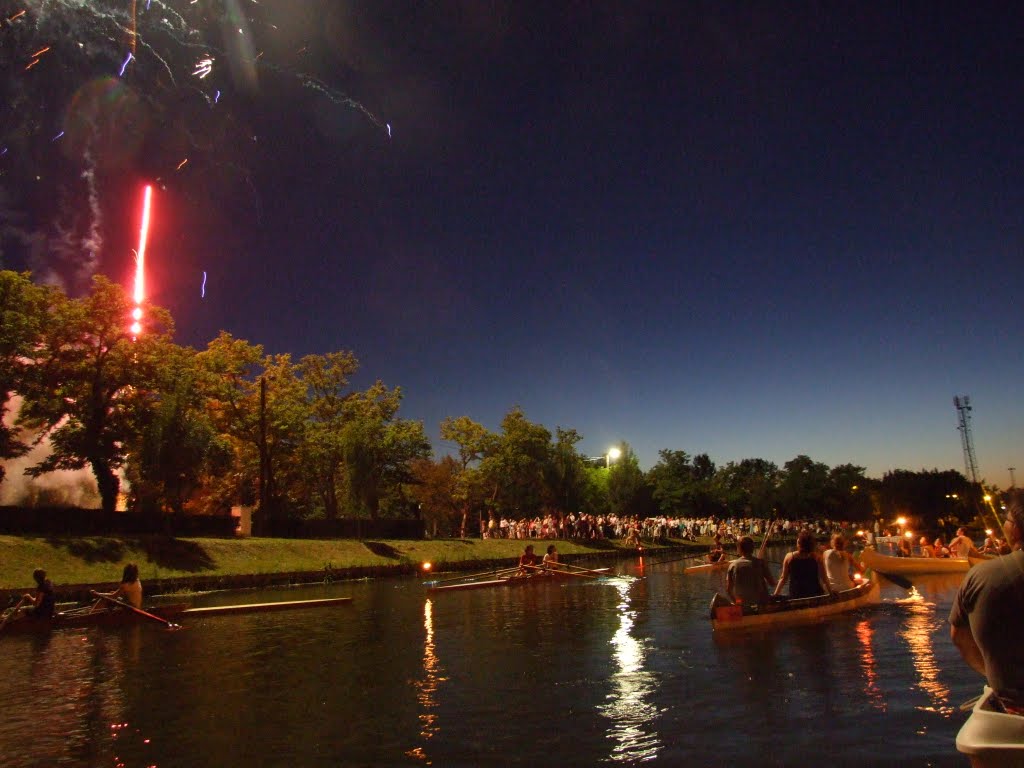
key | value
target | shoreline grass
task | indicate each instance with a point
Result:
(98, 560)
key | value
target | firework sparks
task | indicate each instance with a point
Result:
(140, 263)
(124, 66)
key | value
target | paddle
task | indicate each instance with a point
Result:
(561, 566)
(561, 572)
(469, 576)
(169, 624)
(898, 580)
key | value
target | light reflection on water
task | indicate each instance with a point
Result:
(868, 665)
(629, 706)
(919, 629)
(427, 686)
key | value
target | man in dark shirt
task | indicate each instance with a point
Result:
(987, 619)
(44, 600)
(748, 578)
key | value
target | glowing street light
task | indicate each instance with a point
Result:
(612, 455)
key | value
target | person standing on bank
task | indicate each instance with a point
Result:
(987, 619)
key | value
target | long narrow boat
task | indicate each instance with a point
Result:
(87, 617)
(910, 565)
(975, 559)
(990, 737)
(720, 565)
(516, 580)
(118, 617)
(729, 618)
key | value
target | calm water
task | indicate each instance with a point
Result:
(576, 673)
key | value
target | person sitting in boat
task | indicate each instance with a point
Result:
(939, 549)
(551, 558)
(42, 603)
(804, 570)
(130, 588)
(838, 564)
(749, 578)
(717, 550)
(961, 547)
(926, 548)
(527, 561)
(987, 618)
(904, 549)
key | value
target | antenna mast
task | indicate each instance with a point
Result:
(963, 409)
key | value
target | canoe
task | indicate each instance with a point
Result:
(729, 618)
(721, 565)
(515, 580)
(992, 739)
(975, 559)
(85, 617)
(910, 565)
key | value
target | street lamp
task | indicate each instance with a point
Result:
(612, 455)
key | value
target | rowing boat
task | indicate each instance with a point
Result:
(118, 617)
(720, 565)
(517, 580)
(983, 558)
(87, 617)
(990, 737)
(887, 564)
(727, 618)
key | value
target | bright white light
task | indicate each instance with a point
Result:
(614, 453)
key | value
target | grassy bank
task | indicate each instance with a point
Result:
(99, 560)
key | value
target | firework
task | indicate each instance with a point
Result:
(140, 262)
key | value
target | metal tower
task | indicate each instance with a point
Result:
(963, 409)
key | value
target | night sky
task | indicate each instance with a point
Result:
(745, 229)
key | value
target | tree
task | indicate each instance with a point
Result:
(473, 442)
(749, 487)
(802, 487)
(565, 478)
(514, 467)
(91, 381)
(628, 491)
(24, 315)
(434, 487)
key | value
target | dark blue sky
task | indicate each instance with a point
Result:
(746, 229)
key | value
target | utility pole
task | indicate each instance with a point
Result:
(962, 403)
(1013, 483)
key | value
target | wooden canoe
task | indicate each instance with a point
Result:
(911, 565)
(975, 559)
(729, 618)
(721, 565)
(515, 580)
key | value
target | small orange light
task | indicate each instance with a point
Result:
(427, 566)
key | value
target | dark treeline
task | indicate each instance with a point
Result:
(198, 431)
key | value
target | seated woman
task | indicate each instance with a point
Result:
(926, 548)
(939, 549)
(804, 570)
(130, 588)
(551, 558)
(904, 549)
(838, 564)
(717, 550)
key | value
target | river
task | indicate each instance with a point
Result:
(616, 671)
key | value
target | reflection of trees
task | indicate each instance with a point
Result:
(629, 706)
(427, 686)
(919, 627)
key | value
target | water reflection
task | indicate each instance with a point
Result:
(427, 686)
(918, 629)
(869, 665)
(629, 706)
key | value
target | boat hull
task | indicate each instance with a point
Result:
(540, 577)
(721, 565)
(992, 739)
(80, 617)
(905, 566)
(801, 611)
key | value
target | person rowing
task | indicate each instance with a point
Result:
(749, 578)
(527, 561)
(717, 550)
(130, 588)
(551, 558)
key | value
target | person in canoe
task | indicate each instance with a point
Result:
(838, 564)
(961, 547)
(41, 604)
(804, 570)
(904, 549)
(551, 558)
(527, 561)
(130, 588)
(749, 578)
(987, 618)
(717, 550)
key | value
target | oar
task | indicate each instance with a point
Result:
(139, 611)
(561, 565)
(564, 573)
(680, 559)
(469, 576)
(13, 611)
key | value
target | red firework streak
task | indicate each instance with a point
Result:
(140, 263)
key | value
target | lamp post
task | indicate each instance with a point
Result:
(613, 453)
